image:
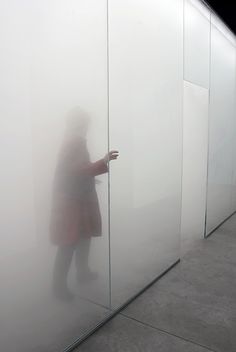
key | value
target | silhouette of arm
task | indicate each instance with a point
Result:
(94, 168)
(72, 156)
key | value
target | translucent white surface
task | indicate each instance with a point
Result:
(17, 224)
(196, 43)
(221, 133)
(233, 136)
(195, 147)
(52, 58)
(146, 127)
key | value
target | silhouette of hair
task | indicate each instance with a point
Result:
(77, 118)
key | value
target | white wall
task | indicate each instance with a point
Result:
(194, 179)
(17, 224)
(69, 69)
(146, 127)
(222, 116)
(209, 64)
(196, 43)
(195, 121)
(53, 56)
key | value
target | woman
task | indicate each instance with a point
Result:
(75, 214)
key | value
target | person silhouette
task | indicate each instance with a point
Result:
(75, 215)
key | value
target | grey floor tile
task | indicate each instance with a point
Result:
(212, 270)
(197, 299)
(125, 335)
(229, 226)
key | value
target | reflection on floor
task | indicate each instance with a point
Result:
(191, 309)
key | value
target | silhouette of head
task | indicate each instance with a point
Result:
(77, 122)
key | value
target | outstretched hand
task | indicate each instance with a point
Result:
(112, 155)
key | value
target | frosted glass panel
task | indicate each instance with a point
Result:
(195, 144)
(196, 43)
(233, 145)
(146, 127)
(221, 133)
(233, 194)
(53, 91)
(17, 224)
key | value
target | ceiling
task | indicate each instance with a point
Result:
(226, 10)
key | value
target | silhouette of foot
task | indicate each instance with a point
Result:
(87, 276)
(63, 294)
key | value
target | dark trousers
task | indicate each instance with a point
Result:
(63, 261)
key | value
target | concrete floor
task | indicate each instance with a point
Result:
(191, 309)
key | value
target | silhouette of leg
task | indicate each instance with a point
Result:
(82, 261)
(61, 268)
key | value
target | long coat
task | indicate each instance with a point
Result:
(75, 208)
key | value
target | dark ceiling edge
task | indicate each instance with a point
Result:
(219, 16)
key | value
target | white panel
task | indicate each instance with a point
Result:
(53, 57)
(195, 146)
(196, 43)
(233, 194)
(16, 187)
(146, 127)
(69, 70)
(233, 145)
(222, 117)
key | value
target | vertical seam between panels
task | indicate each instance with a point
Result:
(234, 113)
(208, 128)
(232, 147)
(182, 122)
(108, 148)
(184, 5)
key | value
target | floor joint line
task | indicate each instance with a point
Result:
(166, 332)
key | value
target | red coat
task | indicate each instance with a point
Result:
(75, 208)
